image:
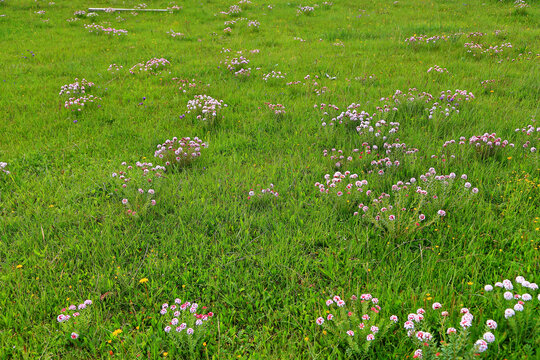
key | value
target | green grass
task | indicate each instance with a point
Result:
(264, 268)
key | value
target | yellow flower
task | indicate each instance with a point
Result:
(109, 341)
(165, 354)
(324, 332)
(137, 328)
(509, 158)
(117, 332)
(429, 298)
(306, 339)
(470, 283)
(143, 280)
(204, 344)
(19, 266)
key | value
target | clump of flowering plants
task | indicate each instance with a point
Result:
(485, 145)
(414, 204)
(431, 333)
(371, 158)
(448, 103)
(343, 188)
(277, 109)
(180, 152)
(205, 108)
(80, 89)
(137, 186)
(236, 64)
(516, 302)
(74, 319)
(152, 66)
(99, 29)
(76, 88)
(356, 324)
(3, 166)
(260, 192)
(187, 326)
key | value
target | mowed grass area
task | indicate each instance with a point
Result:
(265, 267)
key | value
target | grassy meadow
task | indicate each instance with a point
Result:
(265, 265)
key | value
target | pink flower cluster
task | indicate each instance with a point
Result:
(341, 184)
(268, 192)
(274, 75)
(437, 68)
(185, 316)
(405, 210)
(479, 49)
(175, 34)
(312, 82)
(78, 87)
(278, 109)
(105, 30)
(370, 156)
(530, 131)
(152, 66)
(236, 63)
(72, 312)
(520, 4)
(3, 166)
(80, 102)
(521, 299)
(415, 39)
(449, 102)
(305, 10)
(114, 67)
(363, 316)
(253, 24)
(234, 10)
(138, 185)
(205, 107)
(431, 348)
(186, 85)
(180, 152)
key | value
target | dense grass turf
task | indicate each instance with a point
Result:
(264, 266)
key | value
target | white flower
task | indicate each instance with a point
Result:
(481, 345)
(508, 313)
(520, 279)
(451, 330)
(508, 295)
(488, 288)
(526, 297)
(491, 324)
(320, 321)
(489, 337)
(518, 307)
(409, 325)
